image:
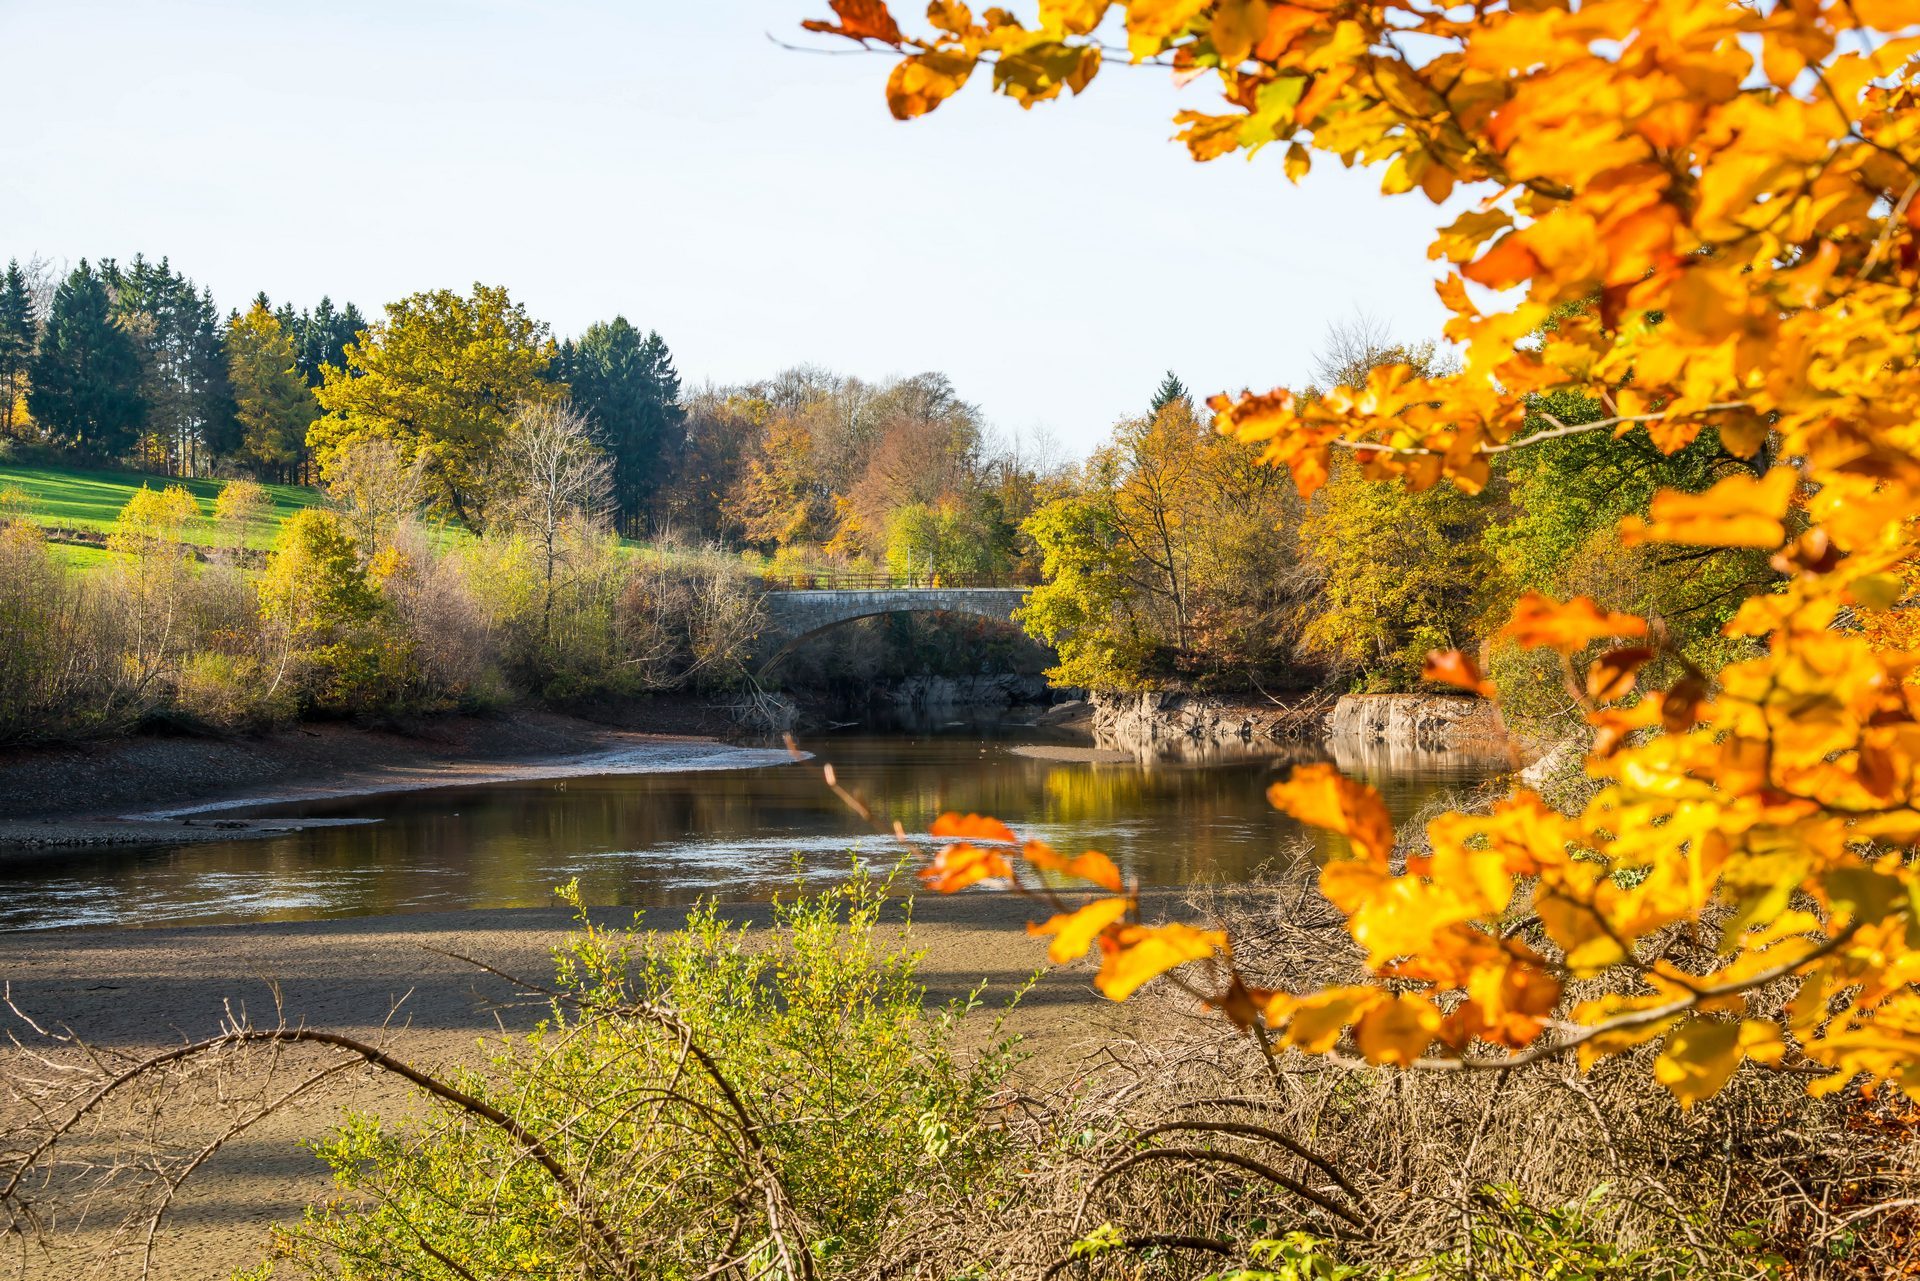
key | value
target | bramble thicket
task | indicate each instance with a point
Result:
(1698, 218)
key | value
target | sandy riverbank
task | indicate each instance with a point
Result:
(153, 789)
(152, 987)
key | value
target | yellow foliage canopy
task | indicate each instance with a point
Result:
(1717, 205)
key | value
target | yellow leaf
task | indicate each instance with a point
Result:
(1137, 953)
(1321, 796)
(1237, 25)
(1698, 1058)
(950, 16)
(1298, 162)
(1737, 512)
(1072, 17)
(924, 81)
(1151, 24)
(1398, 1030)
(1040, 71)
(1074, 932)
(1315, 1022)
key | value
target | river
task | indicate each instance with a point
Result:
(669, 838)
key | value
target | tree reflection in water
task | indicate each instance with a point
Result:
(655, 839)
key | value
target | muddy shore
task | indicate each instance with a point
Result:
(154, 788)
(132, 989)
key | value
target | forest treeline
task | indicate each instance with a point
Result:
(1171, 556)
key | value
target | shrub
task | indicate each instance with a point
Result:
(231, 691)
(317, 601)
(49, 680)
(712, 1099)
(447, 652)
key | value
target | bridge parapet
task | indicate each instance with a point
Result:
(844, 580)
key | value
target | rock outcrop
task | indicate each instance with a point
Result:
(1432, 722)
(1165, 722)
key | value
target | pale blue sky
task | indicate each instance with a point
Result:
(667, 161)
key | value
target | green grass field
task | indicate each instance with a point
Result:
(75, 498)
(70, 498)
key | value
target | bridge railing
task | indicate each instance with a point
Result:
(846, 581)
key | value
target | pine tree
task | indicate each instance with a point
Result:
(85, 391)
(1171, 389)
(18, 334)
(176, 326)
(320, 337)
(628, 386)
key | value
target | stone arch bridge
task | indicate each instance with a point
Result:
(793, 615)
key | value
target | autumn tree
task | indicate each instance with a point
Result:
(375, 488)
(706, 462)
(272, 401)
(1403, 574)
(439, 377)
(556, 486)
(152, 569)
(1085, 607)
(1175, 558)
(318, 603)
(1733, 187)
(240, 509)
(919, 447)
(19, 334)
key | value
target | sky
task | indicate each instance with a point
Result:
(674, 164)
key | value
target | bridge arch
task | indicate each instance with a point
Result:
(793, 616)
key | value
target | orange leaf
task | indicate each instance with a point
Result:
(859, 20)
(1505, 265)
(1074, 932)
(1737, 512)
(925, 80)
(1456, 667)
(1090, 866)
(1611, 675)
(1138, 953)
(973, 827)
(959, 866)
(1323, 797)
(1542, 621)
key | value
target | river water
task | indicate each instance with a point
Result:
(669, 838)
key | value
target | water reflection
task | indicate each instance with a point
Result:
(657, 839)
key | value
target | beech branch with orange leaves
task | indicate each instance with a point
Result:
(1700, 215)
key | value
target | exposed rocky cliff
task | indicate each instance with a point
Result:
(1433, 722)
(1171, 723)
(1357, 726)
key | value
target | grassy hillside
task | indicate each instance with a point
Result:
(70, 498)
(76, 498)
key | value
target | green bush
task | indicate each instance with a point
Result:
(681, 1078)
